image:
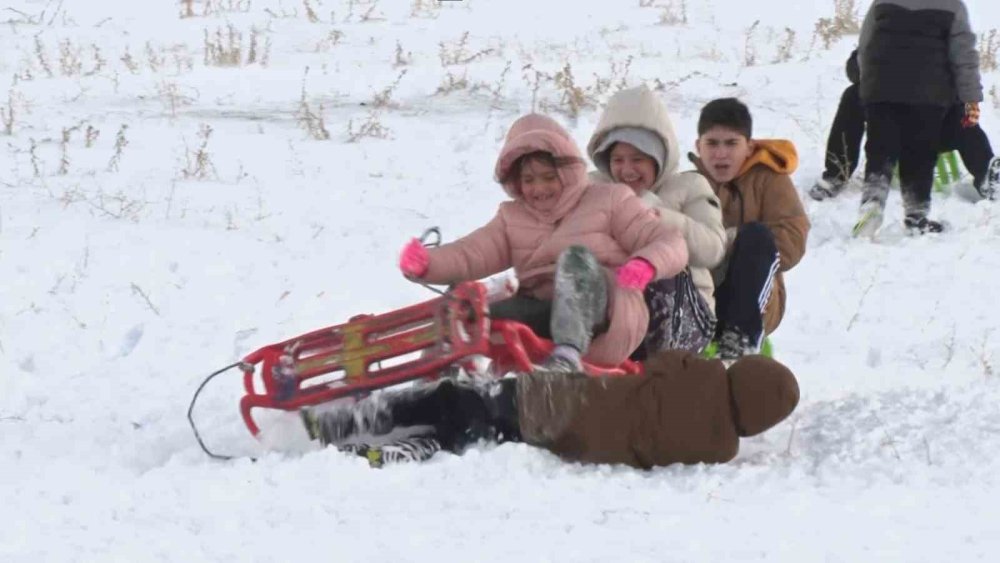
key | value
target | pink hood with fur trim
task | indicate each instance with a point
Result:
(535, 132)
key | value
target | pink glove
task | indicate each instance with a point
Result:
(414, 260)
(635, 274)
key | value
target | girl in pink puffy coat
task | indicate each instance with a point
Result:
(583, 252)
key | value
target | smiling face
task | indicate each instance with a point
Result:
(631, 166)
(540, 184)
(723, 151)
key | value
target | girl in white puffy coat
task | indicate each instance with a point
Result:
(635, 144)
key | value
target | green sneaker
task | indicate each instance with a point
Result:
(711, 351)
(870, 220)
(766, 348)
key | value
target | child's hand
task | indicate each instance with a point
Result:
(635, 274)
(971, 118)
(414, 260)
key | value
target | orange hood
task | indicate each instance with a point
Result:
(777, 154)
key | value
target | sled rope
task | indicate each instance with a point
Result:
(436, 232)
(190, 417)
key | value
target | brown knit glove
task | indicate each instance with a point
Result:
(971, 118)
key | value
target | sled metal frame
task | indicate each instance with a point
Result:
(371, 352)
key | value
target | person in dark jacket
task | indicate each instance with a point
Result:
(917, 58)
(843, 145)
(682, 409)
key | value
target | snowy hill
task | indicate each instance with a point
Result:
(180, 187)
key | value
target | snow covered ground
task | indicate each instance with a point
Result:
(178, 191)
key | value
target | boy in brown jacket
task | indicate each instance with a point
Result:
(683, 409)
(766, 226)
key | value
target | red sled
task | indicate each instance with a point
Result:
(369, 352)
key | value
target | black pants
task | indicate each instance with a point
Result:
(460, 413)
(910, 135)
(843, 146)
(743, 294)
(449, 415)
(970, 142)
(535, 313)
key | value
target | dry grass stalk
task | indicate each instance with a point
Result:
(99, 61)
(198, 163)
(495, 89)
(369, 14)
(310, 121)
(90, 136)
(331, 40)
(749, 49)
(154, 58)
(69, 59)
(217, 7)
(450, 83)
(120, 143)
(36, 162)
(617, 78)
(371, 127)
(425, 9)
(989, 44)
(129, 61)
(172, 97)
(458, 53)
(384, 98)
(786, 47)
(402, 58)
(223, 49)
(310, 13)
(7, 114)
(844, 22)
(64, 151)
(43, 60)
(674, 13)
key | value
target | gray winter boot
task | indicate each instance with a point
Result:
(826, 189)
(564, 359)
(991, 186)
(580, 303)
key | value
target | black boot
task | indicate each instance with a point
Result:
(919, 224)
